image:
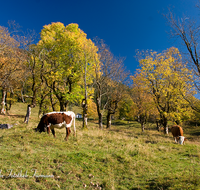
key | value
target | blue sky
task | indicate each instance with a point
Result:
(124, 25)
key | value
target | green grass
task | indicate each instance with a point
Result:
(120, 158)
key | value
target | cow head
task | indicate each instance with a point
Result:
(181, 140)
(41, 128)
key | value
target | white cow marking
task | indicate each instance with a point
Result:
(181, 139)
(58, 126)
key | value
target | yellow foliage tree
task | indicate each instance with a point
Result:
(92, 109)
(168, 81)
(145, 106)
(67, 55)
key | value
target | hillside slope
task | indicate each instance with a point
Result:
(119, 158)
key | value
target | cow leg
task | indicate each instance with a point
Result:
(68, 131)
(176, 139)
(48, 129)
(53, 132)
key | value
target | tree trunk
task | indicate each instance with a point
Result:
(10, 101)
(142, 126)
(22, 96)
(28, 113)
(166, 130)
(85, 109)
(40, 112)
(111, 107)
(84, 101)
(164, 123)
(52, 102)
(62, 105)
(158, 125)
(41, 102)
(100, 115)
(108, 121)
(3, 103)
(100, 120)
(142, 120)
(84, 121)
(33, 103)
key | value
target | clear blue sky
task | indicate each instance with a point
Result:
(124, 25)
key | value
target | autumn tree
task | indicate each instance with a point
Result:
(33, 68)
(89, 58)
(168, 80)
(118, 79)
(37, 89)
(12, 60)
(144, 103)
(63, 61)
(109, 82)
(92, 109)
(105, 73)
(101, 78)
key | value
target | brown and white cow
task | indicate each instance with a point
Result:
(58, 120)
(177, 133)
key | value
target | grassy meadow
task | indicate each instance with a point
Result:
(120, 158)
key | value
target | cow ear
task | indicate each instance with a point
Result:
(177, 138)
(185, 139)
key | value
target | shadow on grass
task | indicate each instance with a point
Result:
(17, 116)
(124, 123)
(185, 182)
(197, 133)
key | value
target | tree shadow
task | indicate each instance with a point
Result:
(17, 116)
(197, 133)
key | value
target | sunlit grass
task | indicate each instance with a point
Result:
(120, 158)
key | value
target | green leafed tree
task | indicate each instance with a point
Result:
(126, 108)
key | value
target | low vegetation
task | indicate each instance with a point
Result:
(119, 158)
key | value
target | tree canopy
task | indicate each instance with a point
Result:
(64, 52)
(169, 81)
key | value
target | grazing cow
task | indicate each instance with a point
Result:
(177, 133)
(57, 120)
